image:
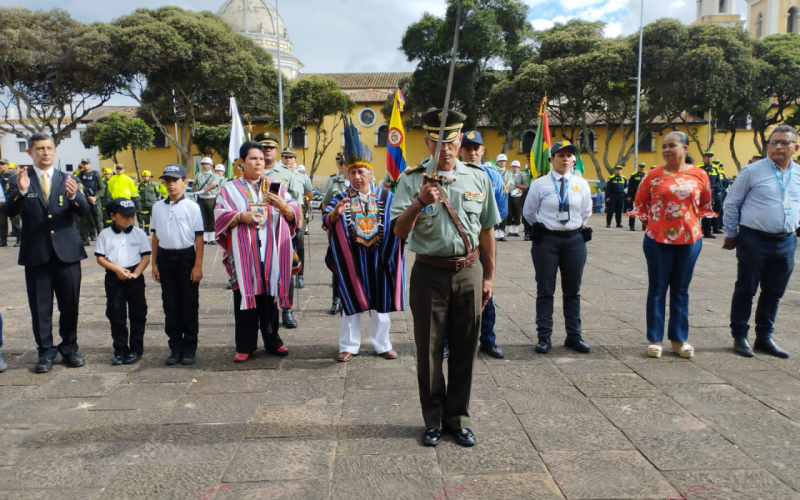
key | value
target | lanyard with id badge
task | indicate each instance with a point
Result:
(563, 207)
(787, 206)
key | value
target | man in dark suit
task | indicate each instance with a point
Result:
(51, 249)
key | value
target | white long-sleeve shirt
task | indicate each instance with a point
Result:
(542, 202)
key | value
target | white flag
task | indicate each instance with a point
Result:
(237, 138)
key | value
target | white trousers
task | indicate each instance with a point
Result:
(350, 334)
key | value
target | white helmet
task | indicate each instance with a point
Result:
(515, 163)
(207, 160)
(219, 168)
(502, 157)
(301, 168)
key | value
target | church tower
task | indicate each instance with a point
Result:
(721, 12)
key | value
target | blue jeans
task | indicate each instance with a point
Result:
(762, 261)
(669, 266)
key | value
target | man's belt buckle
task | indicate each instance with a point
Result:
(461, 264)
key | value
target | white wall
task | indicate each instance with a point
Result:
(69, 152)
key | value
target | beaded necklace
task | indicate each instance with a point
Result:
(364, 218)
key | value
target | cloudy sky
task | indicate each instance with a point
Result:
(334, 36)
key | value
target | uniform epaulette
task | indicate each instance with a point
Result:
(473, 165)
(418, 168)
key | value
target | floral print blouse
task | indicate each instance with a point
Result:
(673, 204)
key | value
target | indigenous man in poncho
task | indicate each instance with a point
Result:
(255, 220)
(364, 254)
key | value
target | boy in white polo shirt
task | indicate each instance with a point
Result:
(123, 250)
(177, 228)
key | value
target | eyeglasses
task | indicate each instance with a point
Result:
(784, 144)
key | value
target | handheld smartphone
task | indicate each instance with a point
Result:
(275, 187)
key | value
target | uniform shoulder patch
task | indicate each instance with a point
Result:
(414, 170)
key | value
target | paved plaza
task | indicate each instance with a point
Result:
(609, 425)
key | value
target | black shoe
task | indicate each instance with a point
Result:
(188, 359)
(18, 243)
(502, 238)
(608, 225)
(768, 346)
(709, 235)
(212, 242)
(492, 350)
(742, 348)
(3, 243)
(527, 236)
(44, 365)
(446, 352)
(543, 347)
(633, 229)
(288, 319)
(74, 360)
(465, 437)
(92, 238)
(229, 286)
(86, 242)
(117, 361)
(132, 358)
(336, 306)
(576, 343)
(174, 358)
(717, 231)
(619, 225)
(300, 283)
(432, 436)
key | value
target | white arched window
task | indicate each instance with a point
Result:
(382, 135)
(526, 143)
(297, 139)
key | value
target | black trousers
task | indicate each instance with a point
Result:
(514, 210)
(264, 317)
(551, 254)
(524, 221)
(299, 245)
(64, 280)
(181, 299)
(614, 207)
(15, 223)
(125, 298)
(207, 211)
(336, 293)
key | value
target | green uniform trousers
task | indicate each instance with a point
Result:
(144, 218)
(15, 223)
(445, 302)
(90, 225)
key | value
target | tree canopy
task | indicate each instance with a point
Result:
(117, 133)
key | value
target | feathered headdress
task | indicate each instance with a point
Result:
(356, 153)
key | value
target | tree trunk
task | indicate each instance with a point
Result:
(733, 149)
(136, 164)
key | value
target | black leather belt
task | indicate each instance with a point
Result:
(563, 234)
(772, 236)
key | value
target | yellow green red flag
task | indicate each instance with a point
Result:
(540, 152)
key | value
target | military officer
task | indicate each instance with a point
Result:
(709, 224)
(220, 171)
(302, 192)
(7, 179)
(150, 193)
(615, 196)
(337, 183)
(447, 213)
(633, 185)
(106, 198)
(91, 225)
(278, 171)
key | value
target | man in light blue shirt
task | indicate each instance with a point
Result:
(761, 216)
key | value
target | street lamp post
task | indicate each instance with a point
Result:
(638, 87)
(280, 71)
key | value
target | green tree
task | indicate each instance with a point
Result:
(213, 140)
(54, 71)
(494, 38)
(312, 99)
(120, 132)
(202, 60)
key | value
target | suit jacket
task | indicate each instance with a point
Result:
(48, 229)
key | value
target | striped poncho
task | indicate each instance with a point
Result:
(369, 278)
(246, 247)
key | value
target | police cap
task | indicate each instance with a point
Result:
(432, 121)
(146, 173)
(708, 153)
(85, 160)
(472, 137)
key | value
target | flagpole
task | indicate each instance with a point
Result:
(638, 87)
(280, 71)
(177, 137)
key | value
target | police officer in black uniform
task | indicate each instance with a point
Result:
(91, 225)
(615, 196)
(633, 186)
(7, 179)
(725, 183)
(716, 189)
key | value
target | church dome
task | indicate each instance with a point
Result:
(253, 16)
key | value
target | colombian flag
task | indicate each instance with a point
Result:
(540, 151)
(396, 140)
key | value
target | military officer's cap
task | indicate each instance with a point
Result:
(121, 206)
(85, 160)
(472, 137)
(432, 121)
(146, 173)
(289, 152)
(708, 153)
(563, 145)
(4, 161)
(267, 139)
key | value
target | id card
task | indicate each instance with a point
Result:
(562, 216)
(787, 208)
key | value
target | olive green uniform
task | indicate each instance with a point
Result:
(446, 300)
(149, 193)
(336, 184)
(285, 176)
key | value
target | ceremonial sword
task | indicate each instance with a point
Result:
(446, 107)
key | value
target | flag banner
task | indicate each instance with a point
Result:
(396, 140)
(540, 152)
(237, 139)
(579, 165)
(494, 164)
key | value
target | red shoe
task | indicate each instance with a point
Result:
(241, 357)
(282, 351)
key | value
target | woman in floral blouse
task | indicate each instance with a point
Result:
(672, 200)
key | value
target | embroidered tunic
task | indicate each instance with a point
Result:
(365, 254)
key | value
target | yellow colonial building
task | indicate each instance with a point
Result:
(767, 17)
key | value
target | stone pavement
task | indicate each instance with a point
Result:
(612, 424)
